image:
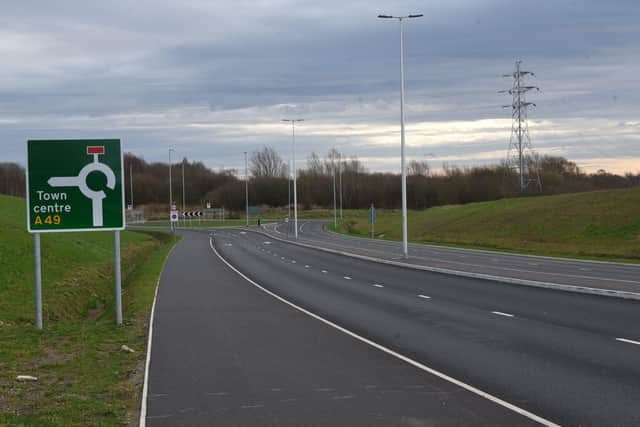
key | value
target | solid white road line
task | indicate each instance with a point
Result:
(145, 385)
(500, 313)
(628, 341)
(378, 286)
(387, 350)
(424, 296)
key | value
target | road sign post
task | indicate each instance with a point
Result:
(75, 185)
(38, 274)
(372, 219)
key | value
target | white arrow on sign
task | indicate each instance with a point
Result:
(80, 181)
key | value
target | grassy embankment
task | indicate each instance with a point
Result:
(601, 225)
(83, 377)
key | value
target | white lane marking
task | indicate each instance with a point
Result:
(281, 257)
(628, 341)
(324, 271)
(347, 277)
(228, 244)
(267, 243)
(424, 296)
(501, 279)
(306, 266)
(145, 386)
(243, 232)
(500, 313)
(399, 356)
(293, 261)
(302, 226)
(378, 286)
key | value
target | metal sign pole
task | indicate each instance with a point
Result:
(118, 284)
(38, 273)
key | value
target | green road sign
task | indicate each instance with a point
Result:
(74, 185)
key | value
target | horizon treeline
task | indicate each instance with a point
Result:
(269, 184)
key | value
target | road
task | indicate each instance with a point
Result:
(225, 353)
(577, 273)
(568, 358)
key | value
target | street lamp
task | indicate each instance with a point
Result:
(183, 197)
(405, 245)
(340, 174)
(295, 173)
(333, 178)
(170, 189)
(246, 187)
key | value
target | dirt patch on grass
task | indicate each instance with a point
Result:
(52, 357)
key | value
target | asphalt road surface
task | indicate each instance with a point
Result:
(598, 275)
(226, 353)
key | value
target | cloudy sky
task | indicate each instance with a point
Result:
(212, 79)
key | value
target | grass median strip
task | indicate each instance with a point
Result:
(83, 375)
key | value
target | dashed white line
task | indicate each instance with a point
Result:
(307, 266)
(293, 261)
(378, 286)
(347, 277)
(628, 341)
(324, 271)
(281, 257)
(424, 296)
(500, 313)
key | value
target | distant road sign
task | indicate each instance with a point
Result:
(174, 216)
(74, 185)
(372, 215)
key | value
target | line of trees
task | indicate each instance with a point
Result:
(269, 183)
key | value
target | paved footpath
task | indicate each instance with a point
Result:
(225, 353)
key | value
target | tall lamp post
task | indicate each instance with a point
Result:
(170, 189)
(405, 245)
(295, 173)
(340, 175)
(246, 187)
(183, 197)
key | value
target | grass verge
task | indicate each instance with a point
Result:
(83, 377)
(602, 225)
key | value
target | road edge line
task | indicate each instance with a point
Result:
(390, 352)
(502, 279)
(145, 384)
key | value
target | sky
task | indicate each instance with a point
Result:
(213, 79)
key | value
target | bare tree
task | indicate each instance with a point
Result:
(267, 163)
(418, 167)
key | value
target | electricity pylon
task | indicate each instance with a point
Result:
(520, 155)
